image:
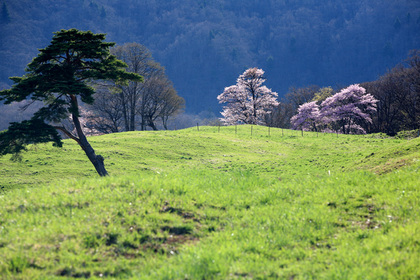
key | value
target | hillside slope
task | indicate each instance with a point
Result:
(214, 203)
(271, 153)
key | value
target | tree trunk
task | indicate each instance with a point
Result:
(165, 123)
(143, 122)
(133, 114)
(124, 104)
(96, 160)
(152, 124)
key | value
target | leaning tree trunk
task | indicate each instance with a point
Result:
(96, 160)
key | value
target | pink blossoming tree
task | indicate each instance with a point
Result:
(307, 118)
(349, 109)
(248, 101)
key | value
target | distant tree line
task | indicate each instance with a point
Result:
(396, 96)
(398, 92)
(205, 44)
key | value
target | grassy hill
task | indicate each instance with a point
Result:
(214, 203)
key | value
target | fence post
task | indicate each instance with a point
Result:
(251, 130)
(302, 132)
(269, 131)
(235, 129)
(198, 129)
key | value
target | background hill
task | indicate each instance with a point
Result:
(206, 44)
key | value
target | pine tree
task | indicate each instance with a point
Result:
(60, 76)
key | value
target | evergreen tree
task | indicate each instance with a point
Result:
(60, 76)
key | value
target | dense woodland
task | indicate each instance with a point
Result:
(204, 45)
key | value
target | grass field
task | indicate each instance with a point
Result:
(244, 202)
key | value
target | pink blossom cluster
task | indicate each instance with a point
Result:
(346, 111)
(307, 118)
(248, 101)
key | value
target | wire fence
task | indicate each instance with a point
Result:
(259, 131)
(267, 131)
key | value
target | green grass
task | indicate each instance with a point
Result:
(213, 204)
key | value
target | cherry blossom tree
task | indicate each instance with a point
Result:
(307, 118)
(349, 110)
(248, 101)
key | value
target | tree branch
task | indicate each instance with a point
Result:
(68, 133)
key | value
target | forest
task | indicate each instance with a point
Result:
(204, 45)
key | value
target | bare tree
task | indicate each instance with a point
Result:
(135, 105)
(106, 113)
(289, 104)
(158, 94)
(172, 105)
(299, 96)
(139, 60)
(398, 92)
